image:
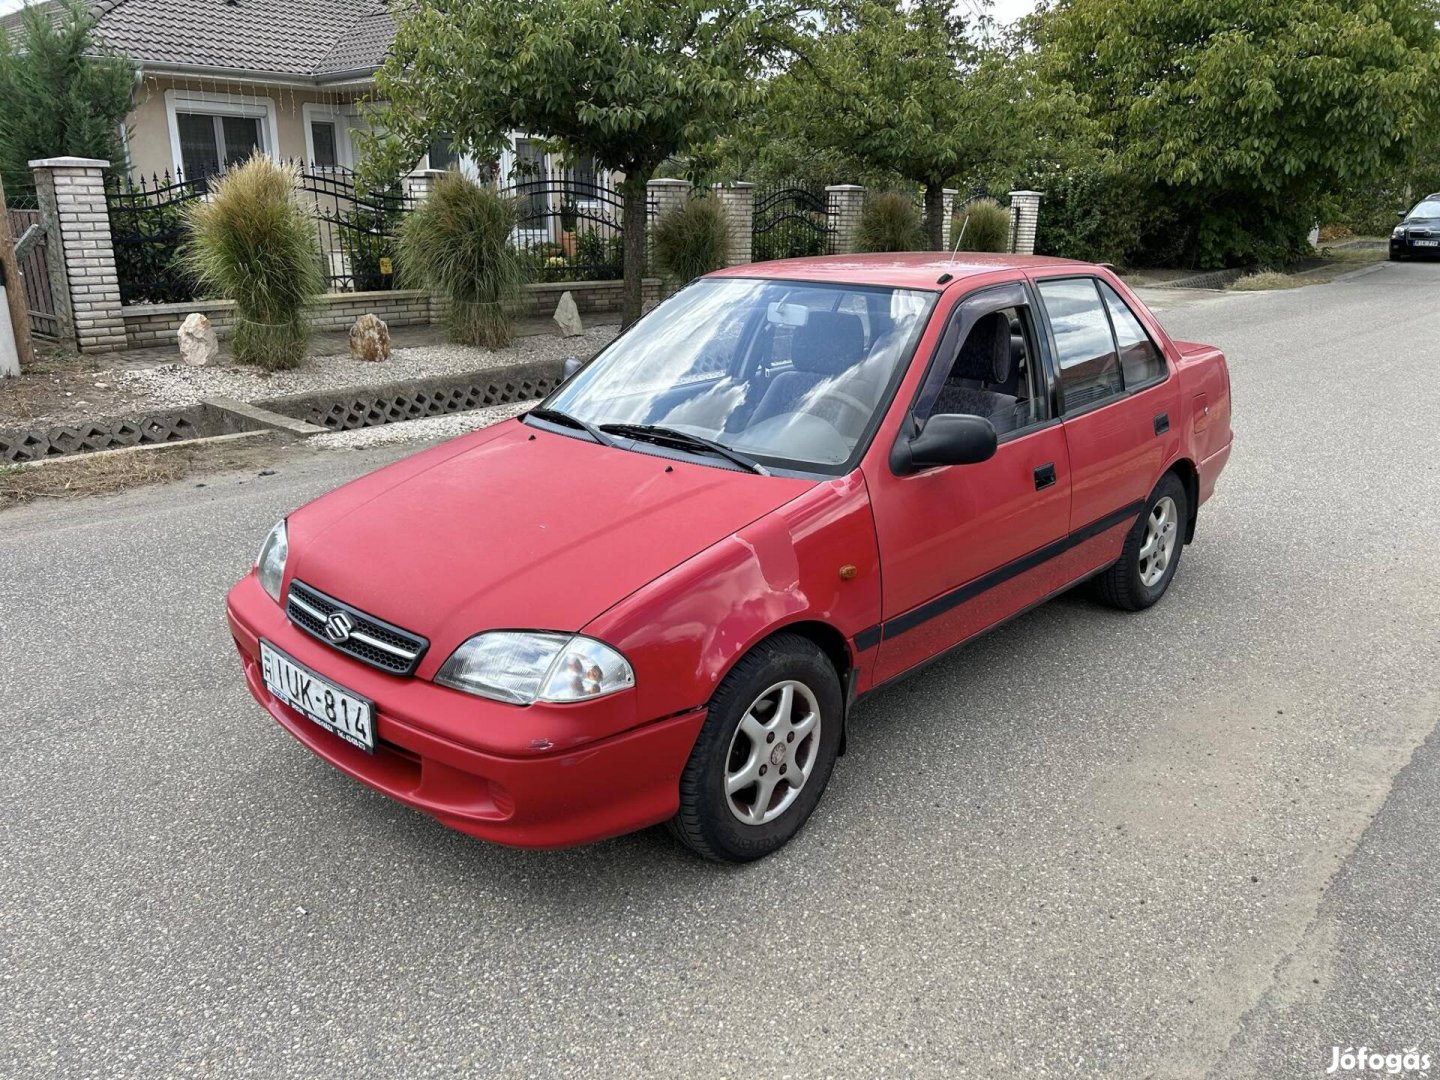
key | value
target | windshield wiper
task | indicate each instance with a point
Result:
(555, 416)
(659, 433)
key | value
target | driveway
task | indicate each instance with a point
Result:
(1199, 841)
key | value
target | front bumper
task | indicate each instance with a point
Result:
(577, 795)
(1411, 247)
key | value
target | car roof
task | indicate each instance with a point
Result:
(901, 269)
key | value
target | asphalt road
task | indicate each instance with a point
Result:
(1195, 842)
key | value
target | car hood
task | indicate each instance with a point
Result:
(517, 527)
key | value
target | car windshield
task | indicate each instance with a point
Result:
(1430, 208)
(789, 373)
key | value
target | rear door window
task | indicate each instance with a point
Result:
(1089, 366)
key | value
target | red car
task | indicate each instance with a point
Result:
(657, 596)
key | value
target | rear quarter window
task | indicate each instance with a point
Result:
(1140, 359)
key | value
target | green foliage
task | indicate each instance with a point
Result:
(629, 82)
(457, 244)
(901, 91)
(253, 241)
(890, 222)
(1240, 117)
(691, 240)
(981, 225)
(63, 92)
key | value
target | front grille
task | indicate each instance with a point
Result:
(372, 641)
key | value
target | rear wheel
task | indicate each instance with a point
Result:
(1152, 550)
(765, 752)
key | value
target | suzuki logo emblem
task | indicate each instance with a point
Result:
(338, 627)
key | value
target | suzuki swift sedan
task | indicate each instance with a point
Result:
(658, 595)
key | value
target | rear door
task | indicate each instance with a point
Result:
(965, 546)
(1120, 405)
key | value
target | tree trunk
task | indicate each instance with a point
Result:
(935, 215)
(636, 206)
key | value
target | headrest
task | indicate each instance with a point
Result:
(830, 342)
(986, 353)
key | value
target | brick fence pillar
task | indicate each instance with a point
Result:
(81, 257)
(843, 203)
(666, 195)
(738, 200)
(947, 231)
(1024, 216)
(419, 184)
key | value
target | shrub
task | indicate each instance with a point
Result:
(890, 221)
(981, 225)
(457, 244)
(254, 242)
(691, 240)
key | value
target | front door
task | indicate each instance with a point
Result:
(966, 546)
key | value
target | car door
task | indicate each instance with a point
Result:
(1118, 402)
(963, 547)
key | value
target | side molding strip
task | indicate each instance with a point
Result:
(954, 598)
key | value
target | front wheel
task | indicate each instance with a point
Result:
(1152, 550)
(764, 754)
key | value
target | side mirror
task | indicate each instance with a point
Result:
(945, 439)
(1402, 214)
(571, 366)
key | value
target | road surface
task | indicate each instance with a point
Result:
(1194, 842)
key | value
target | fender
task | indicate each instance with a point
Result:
(684, 631)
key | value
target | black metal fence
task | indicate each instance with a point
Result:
(791, 221)
(356, 229)
(568, 229)
(147, 229)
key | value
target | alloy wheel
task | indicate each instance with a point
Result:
(1159, 545)
(772, 753)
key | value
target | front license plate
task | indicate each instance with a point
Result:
(1427, 243)
(334, 709)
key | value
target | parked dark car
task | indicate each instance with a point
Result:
(1419, 233)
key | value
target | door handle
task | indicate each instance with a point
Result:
(1162, 423)
(1044, 477)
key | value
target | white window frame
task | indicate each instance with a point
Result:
(344, 118)
(198, 101)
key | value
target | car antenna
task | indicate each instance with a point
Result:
(955, 251)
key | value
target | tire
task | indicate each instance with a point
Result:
(746, 709)
(1135, 582)
(1395, 256)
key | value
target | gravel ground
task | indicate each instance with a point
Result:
(431, 428)
(175, 386)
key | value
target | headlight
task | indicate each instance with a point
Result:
(270, 566)
(522, 668)
(1399, 231)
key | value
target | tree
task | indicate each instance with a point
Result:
(629, 82)
(64, 92)
(901, 87)
(1242, 115)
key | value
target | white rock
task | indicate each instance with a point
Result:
(370, 339)
(198, 346)
(567, 317)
